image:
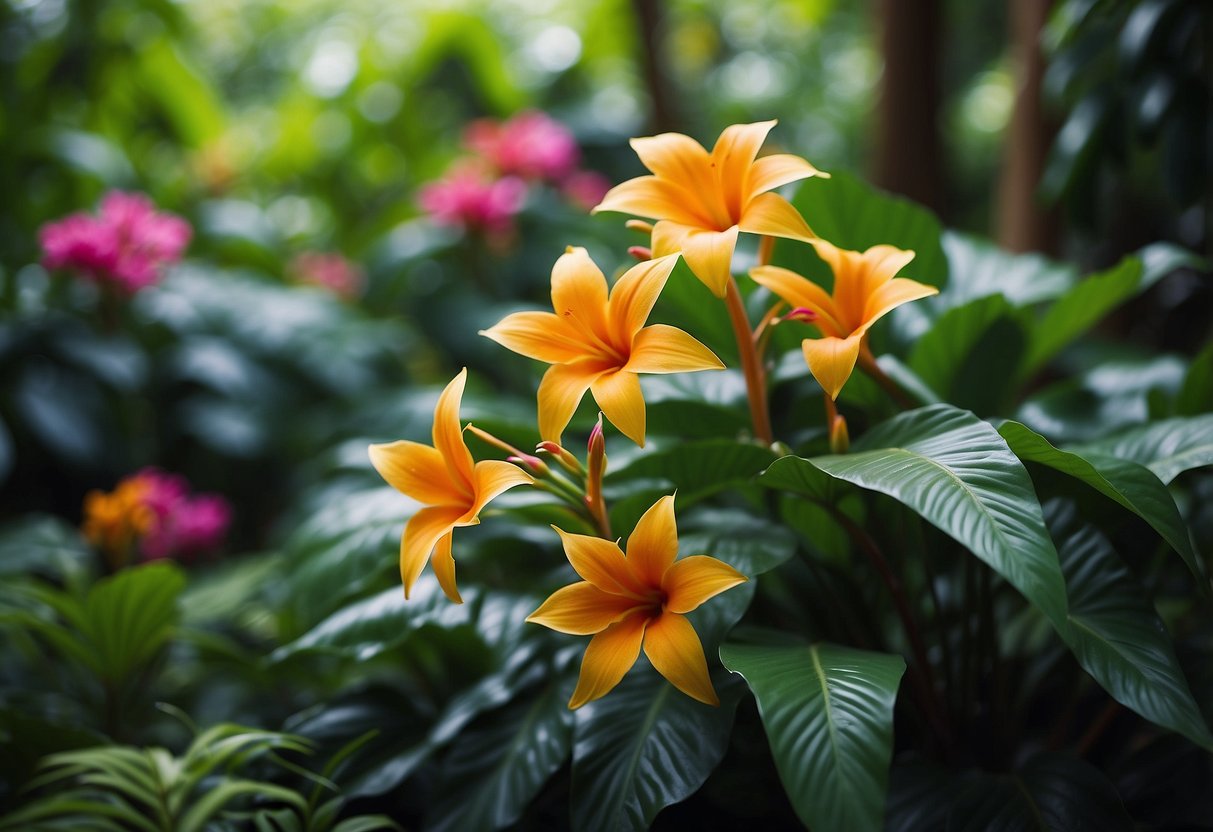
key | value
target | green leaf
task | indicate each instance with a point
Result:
(828, 714)
(1196, 395)
(750, 544)
(498, 764)
(958, 474)
(1168, 448)
(979, 269)
(696, 405)
(129, 616)
(955, 340)
(366, 628)
(1051, 792)
(646, 745)
(41, 544)
(217, 798)
(1131, 485)
(1116, 634)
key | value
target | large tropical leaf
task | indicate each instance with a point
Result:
(646, 745)
(1132, 485)
(828, 714)
(1168, 448)
(1116, 634)
(129, 616)
(957, 472)
(954, 341)
(42, 544)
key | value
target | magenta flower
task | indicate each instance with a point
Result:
(183, 525)
(531, 145)
(468, 198)
(328, 270)
(585, 188)
(126, 245)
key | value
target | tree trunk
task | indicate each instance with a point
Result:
(649, 14)
(909, 153)
(1023, 224)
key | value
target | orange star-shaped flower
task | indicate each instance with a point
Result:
(599, 344)
(702, 200)
(444, 478)
(865, 290)
(640, 598)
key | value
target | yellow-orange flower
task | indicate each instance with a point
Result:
(444, 478)
(599, 344)
(702, 200)
(864, 291)
(114, 521)
(639, 598)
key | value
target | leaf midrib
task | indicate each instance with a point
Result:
(815, 654)
(646, 728)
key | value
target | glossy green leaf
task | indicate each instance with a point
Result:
(41, 544)
(129, 616)
(750, 544)
(1116, 634)
(496, 765)
(696, 405)
(1168, 448)
(1132, 485)
(958, 474)
(828, 714)
(979, 269)
(646, 745)
(1196, 394)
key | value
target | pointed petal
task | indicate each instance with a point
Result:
(491, 477)
(673, 647)
(885, 261)
(668, 236)
(618, 394)
(691, 581)
(635, 293)
(420, 534)
(682, 162)
(448, 432)
(771, 172)
(774, 216)
(418, 471)
(601, 562)
(579, 292)
(608, 658)
(581, 609)
(800, 291)
(710, 256)
(648, 196)
(538, 335)
(897, 291)
(734, 155)
(666, 349)
(560, 392)
(654, 542)
(831, 360)
(444, 568)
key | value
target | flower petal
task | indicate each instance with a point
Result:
(418, 471)
(444, 568)
(581, 609)
(618, 394)
(491, 478)
(673, 647)
(831, 360)
(420, 534)
(648, 196)
(897, 291)
(666, 349)
(800, 291)
(448, 432)
(579, 292)
(682, 162)
(634, 294)
(710, 256)
(668, 236)
(654, 542)
(734, 155)
(771, 172)
(886, 260)
(774, 216)
(560, 392)
(608, 658)
(538, 335)
(691, 581)
(601, 562)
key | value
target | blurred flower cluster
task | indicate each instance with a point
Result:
(328, 270)
(126, 245)
(482, 192)
(153, 514)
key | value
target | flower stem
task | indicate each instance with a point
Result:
(867, 363)
(751, 365)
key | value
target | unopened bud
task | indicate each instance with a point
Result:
(567, 461)
(840, 439)
(802, 314)
(641, 253)
(533, 464)
(639, 225)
